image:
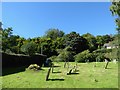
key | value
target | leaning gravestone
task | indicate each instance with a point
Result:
(107, 61)
(52, 65)
(66, 63)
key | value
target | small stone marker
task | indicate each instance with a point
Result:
(66, 63)
(107, 61)
(48, 74)
(52, 68)
(74, 69)
(114, 61)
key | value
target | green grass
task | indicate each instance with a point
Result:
(88, 77)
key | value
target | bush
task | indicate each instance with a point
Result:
(83, 56)
(65, 56)
(9, 51)
(100, 57)
(29, 48)
(33, 67)
(53, 58)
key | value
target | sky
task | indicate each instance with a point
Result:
(33, 19)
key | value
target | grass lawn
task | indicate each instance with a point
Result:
(87, 76)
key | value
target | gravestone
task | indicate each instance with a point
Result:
(66, 63)
(115, 61)
(107, 62)
(52, 67)
(74, 69)
(48, 63)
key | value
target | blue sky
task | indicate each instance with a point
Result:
(33, 19)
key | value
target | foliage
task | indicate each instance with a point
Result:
(76, 42)
(115, 9)
(6, 33)
(107, 38)
(53, 58)
(92, 43)
(29, 48)
(83, 56)
(65, 55)
(100, 57)
(55, 43)
(113, 54)
(54, 33)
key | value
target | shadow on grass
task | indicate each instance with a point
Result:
(55, 79)
(12, 70)
(72, 73)
(57, 66)
(108, 68)
(57, 72)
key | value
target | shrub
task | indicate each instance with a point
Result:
(83, 56)
(53, 58)
(65, 56)
(34, 67)
(100, 57)
(29, 48)
(9, 51)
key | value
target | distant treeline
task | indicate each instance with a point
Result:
(58, 46)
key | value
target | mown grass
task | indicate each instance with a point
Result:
(88, 76)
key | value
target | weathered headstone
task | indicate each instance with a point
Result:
(52, 68)
(74, 69)
(66, 63)
(107, 61)
(115, 61)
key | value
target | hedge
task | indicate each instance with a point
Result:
(21, 60)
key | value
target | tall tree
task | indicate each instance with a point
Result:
(6, 34)
(54, 33)
(76, 42)
(107, 38)
(115, 9)
(100, 41)
(92, 43)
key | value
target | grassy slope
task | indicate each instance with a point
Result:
(88, 77)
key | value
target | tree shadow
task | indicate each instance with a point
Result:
(55, 79)
(12, 70)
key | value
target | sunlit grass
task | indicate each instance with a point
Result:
(88, 76)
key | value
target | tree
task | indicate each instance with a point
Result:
(115, 9)
(29, 48)
(92, 43)
(107, 38)
(100, 41)
(6, 34)
(65, 54)
(54, 33)
(83, 56)
(76, 42)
